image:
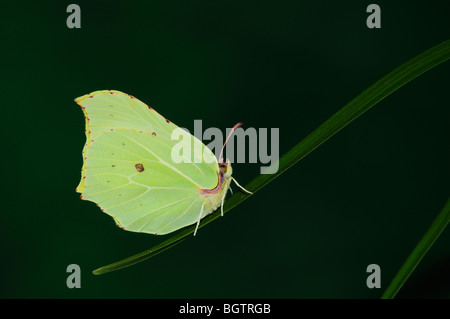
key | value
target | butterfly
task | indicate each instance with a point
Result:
(129, 171)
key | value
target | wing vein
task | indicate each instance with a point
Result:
(159, 208)
(181, 215)
(163, 162)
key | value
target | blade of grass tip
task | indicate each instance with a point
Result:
(363, 102)
(130, 260)
(418, 252)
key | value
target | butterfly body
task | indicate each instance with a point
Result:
(214, 197)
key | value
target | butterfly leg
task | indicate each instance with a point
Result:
(242, 187)
(199, 218)
(223, 200)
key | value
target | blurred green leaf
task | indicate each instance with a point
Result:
(418, 252)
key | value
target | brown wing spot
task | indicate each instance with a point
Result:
(153, 133)
(167, 121)
(113, 165)
(139, 167)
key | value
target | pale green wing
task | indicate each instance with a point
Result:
(131, 176)
(108, 109)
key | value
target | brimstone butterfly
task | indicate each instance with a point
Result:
(128, 170)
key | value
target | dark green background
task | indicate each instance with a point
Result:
(366, 196)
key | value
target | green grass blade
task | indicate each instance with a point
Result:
(363, 102)
(418, 252)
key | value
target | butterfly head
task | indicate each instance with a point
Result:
(225, 169)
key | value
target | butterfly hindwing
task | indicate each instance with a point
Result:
(130, 175)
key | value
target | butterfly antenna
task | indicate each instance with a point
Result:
(199, 218)
(229, 135)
